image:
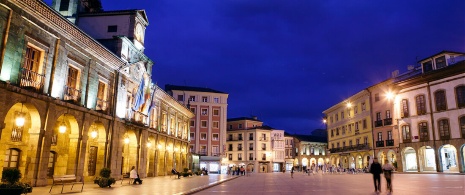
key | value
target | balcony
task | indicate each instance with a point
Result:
(72, 94)
(263, 138)
(250, 148)
(250, 158)
(216, 154)
(31, 80)
(234, 139)
(230, 149)
(141, 118)
(101, 105)
(239, 148)
(363, 147)
(379, 144)
(378, 123)
(387, 121)
(390, 142)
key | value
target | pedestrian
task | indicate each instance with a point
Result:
(292, 172)
(387, 169)
(376, 170)
(133, 175)
(174, 172)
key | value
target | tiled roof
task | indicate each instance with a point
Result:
(242, 118)
(169, 87)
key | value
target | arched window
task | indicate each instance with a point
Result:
(460, 93)
(423, 131)
(440, 100)
(462, 126)
(444, 130)
(11, 158)
(51, 164)
(406, 134)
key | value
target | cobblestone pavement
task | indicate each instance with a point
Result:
(151, 186)
(339, 184)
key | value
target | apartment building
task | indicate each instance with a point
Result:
(310, 151)
(208, 128)
(289, 151)
(350, 135)
(70, 105)
(429, 105)
(249, 144)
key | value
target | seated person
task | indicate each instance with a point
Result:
(133, 175)
(174, 172)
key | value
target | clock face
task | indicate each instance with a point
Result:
(138, 33)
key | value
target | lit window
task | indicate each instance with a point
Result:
(180, 97)
(204, 99)
(203, 136)
(216, 124)
(204, 123)
(216, 100)
(204, 111)
(215, 136)
(216, 112)
(192, 98)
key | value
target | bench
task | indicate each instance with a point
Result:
(126, 176)
(65, 179)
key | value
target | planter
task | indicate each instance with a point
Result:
(11, 191)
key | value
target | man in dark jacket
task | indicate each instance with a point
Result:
(376, 170)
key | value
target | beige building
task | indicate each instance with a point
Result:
(289, 153)
(311, 151)
(208, 127)
(350, 135)
(249, 144)
(71, 106)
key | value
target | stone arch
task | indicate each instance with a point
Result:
(366, 159)
(359, 161)
(381, 157)
(321, 161)
(65, 138)
(95, 150)
(161, 156)
(462, 157)
(24, 137)
(304, 162)
(151, 160)
(130, 151)
(409, 159)
(448, 158)
(426, 158)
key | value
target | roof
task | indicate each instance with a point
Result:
(442, 52)
(117, 12)
(169, 87)
(243, 118)
(311, 138)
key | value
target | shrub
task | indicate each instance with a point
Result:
(105, 180)
(11, 175)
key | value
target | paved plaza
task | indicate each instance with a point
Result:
(339, 184)
(276, 183)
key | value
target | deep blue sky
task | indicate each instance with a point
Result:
(287, 61)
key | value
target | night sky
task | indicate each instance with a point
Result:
(287, 61)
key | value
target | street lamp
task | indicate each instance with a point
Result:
(126, 140)
(149, 144)
(62, 127)
(389, 95)
(94, 132)
(349, 105)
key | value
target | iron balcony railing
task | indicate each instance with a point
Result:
(72, 94)
(378, 123)
(379, 143)
(390, 142)
(387, 121)
(101, 104)
(31, 79)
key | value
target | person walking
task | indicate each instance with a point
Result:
(387, 169)
(292, 172)
(376, 170)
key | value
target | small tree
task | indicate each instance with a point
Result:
(105, 180)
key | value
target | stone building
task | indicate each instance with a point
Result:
(310, 151)
(70, 105)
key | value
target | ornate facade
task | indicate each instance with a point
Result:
(70, 105)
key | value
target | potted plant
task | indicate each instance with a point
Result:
(105, 180)
(12, 186)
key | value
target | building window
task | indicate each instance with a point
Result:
(204, 99)
(191, 148)
(239, 156)
(216, 112)
(112, 28)
(51, 164)
(193, 110)
(72, 91)
(406, 134)
(388, 114)
(444, 131)
(378, 116)
(230, 126)
(216, 100)
(364, 123)
(192, 123)
(440, 100)
(240, 126)
(204, 111)
(343, 129)
(102, 103)
(216, 124)
(355, 109)
(337, 117)
(263, 156)
(64, 5)
(380, 136)
(11, 159)
(343, 145)
(376, 97)
(203, 136)
(350, 143)
(337, 131)
(421, 104)
(440, 62)
(203, 150)
(192, 135)
(31, 70)
(239, 136)
(462, 126)
(356, 126)
(215, 151)
(181, 98)
(239, 147)
(192, 98)
(250, 136)
(215, 136)
(204, 124)
(250, 156)
(365, 140)
(389, 135)
(363, 106)
(404, 108)
(250, 146)
(230, 147)
(423, 128)
(427, 66)
(460, 96)
(342, 115)
(263, 146)
(92, 164)
(229, 156)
